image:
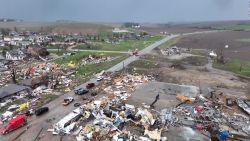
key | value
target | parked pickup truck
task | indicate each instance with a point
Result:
(67, 101)
(14, 123)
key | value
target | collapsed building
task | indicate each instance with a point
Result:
(110, 117)
(171, 51)
(92, 59)
(12, 89)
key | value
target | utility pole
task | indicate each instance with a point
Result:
(200, 86)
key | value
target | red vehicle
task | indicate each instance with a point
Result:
(14, 123)
(90, 85)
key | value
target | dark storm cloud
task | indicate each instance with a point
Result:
(125, 10)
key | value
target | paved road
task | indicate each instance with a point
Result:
(57, 111)
(142, 52)
(146, 50)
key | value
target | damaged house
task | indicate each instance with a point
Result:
(15, 55)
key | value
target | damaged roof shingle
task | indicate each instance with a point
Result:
(11, 89)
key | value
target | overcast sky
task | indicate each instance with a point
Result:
(125, 10)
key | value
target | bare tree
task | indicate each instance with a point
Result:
(220, 57)
(13, 75)
(15, 29)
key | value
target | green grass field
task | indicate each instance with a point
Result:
(244, 40)
(87, 70)
(169, 43)
(237, 66)
(103, 32)
(53, 46)
(78, 56)
(122, 46)
(46, 99)
(146, 64)
(200, 52)
(245, 27)
(59, 53)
